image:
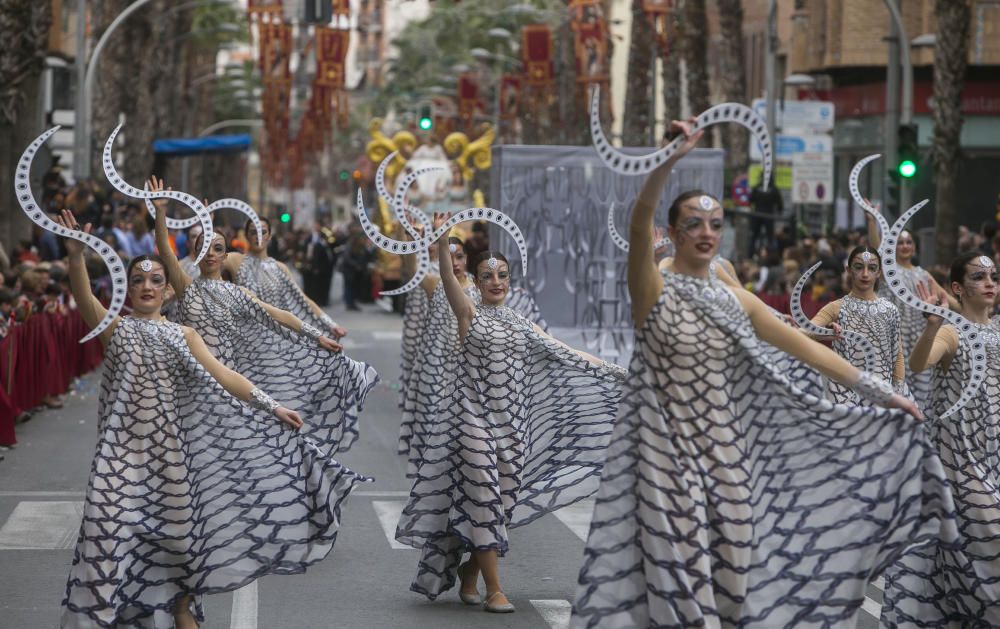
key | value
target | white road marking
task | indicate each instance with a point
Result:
(576, 517)
(387, 335)
(389, 512)
(555, 612)
(244, 614)
(41, 494)
(42, 526)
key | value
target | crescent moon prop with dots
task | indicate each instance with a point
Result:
(399, 207)
(622, 243)
(624, 164)
(222, 204)
(400, 247)
(852, 181)
(968, 332)
(124, 187)
(803, 322)
(116, 267)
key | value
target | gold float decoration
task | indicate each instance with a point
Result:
(457, 144)
(382, 146)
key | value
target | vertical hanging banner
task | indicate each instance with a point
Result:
(331, 51)
(468, 98)
(658, 14)
(274, 45)
(510, 96)
(590, 42)
(536, 55)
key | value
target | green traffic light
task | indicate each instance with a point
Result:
(344, 175)
(907, 168)
(426, 124)
(286, 217)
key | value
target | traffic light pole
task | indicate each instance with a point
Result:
(899, 64)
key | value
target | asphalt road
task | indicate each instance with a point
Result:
(364, 583)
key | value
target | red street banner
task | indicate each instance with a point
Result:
(536, 54)
(590, 41)
(510, 95)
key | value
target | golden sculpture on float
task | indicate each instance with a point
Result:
(468, 155)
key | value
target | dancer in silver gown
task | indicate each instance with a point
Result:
(272, 282)
(415, 312)
(436, 362)
(911, 320)
(730, 497)
(195, 489)
(288, 357)
(874, 317)
(958, 585)
(523, 433)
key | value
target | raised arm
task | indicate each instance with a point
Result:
(179, 280)
(237, 386)
(79, 281)
(771, 330)
(827, 318)
(644, 282)
(461, 305)
(874, 237)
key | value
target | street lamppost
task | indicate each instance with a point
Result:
(86, 75)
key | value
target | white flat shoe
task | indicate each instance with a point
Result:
(506, 608)
(468, 599)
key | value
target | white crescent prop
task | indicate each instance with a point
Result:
(399, 207)
(124, 187)
(624, 164)
(401, 247)
(622, 244)
(883, 225)
(222, 204)
(803, 322)
(890, 269)
(116, 267)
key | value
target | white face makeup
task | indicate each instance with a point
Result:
(864, 269)
(493, 280)
(146, 289)
(698, 232)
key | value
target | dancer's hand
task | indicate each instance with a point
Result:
(73, 247)
(156, 185)
(691, 137)
(328, 343)
(900, 402)
(838, 332)
(440, 218)
(338, 331)
(928, 296)
(289, 417)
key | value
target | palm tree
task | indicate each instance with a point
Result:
(24, 32)
(732, 78)
(694, 46)
(637, 115)
(950, 57)
(671, 70)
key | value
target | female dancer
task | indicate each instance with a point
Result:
(249, 336)
(194, 489)
(730, 497)
(523, 433)
(415, 311)
(434, 365)
(958, 585)
(874, 317)
(911, 320)
(272, 282)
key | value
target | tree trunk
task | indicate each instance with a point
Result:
(671, 71)
(112, 70)
(637, 114)
(732, 77)
(24, 30)
(950, 57)
(694, 39)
